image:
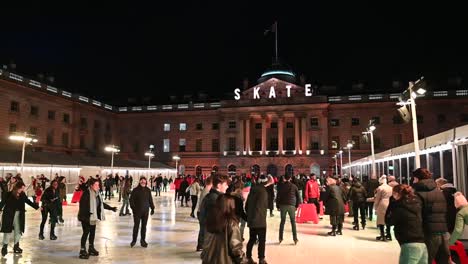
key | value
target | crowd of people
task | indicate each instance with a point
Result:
(427, 217)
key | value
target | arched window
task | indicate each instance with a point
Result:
(272, 170)
(255, 170)
(214, 169)
(232, 170)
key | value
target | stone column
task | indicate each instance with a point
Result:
(247, 135)
(297, 135)
(280, 135)
(240, 136)
(264, 135)
(222, 136)
(303, 135)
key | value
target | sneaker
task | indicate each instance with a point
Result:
(84, 254)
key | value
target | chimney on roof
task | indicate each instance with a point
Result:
(245, 83)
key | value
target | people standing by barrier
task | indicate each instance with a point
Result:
(312, 192)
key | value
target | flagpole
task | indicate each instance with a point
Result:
(276, 40)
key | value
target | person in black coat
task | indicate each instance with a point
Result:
(271, 197)
(334, 206)
(287, 201)
(13, 217)
(90, 212)
(50, 201)
(358, 195)
(140, 202)
(371, 186)
(183, 192)
(448, 189)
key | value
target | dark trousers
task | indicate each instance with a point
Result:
(438, 248)
(260, 234)
(361, 208)
(317, 204)
(165, 188)
(158, 191)
(291, 211)
(108, 193)
(184, 196)
(201, 232)
(137, 218)
(370, 210)
(176, 194)
(194, 202)
(60, 210)
(53, 219)
(88, 230)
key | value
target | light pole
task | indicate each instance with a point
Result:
(370, 130)
(25, 138)
(112, 149)
(176, 158)
(414, 89)
(150, 155)
(349, 146)
(341, 163)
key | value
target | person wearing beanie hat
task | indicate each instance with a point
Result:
(462, 217)
(434, 210)
(140, 202)
(381, 202)
(334, 206)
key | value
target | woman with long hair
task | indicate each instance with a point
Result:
(195, 190)
(91, 211)
(13, 217)
(240, 201)
(407, 219)
(223, 243)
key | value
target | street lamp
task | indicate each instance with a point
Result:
(176, 158)
(414, 90)
(150, 155)
(112, 149)
(25, 138)
(341, 162)
(349, 146)
(370, 131)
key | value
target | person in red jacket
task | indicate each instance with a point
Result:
(177, 183)
(312, 192)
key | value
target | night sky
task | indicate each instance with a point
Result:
(156, 51)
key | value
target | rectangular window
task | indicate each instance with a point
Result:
(258, 144)
(335, 142)
(215, 126)
(355, 121)
(441, 118)
(289, 125)
(14, 106)
(274, 125)
(65, 139)
(182, 126)
(376, 120)
(198, 145)
(34, 111)
(51, 115)
(215, 145)
(334, 122)
(182, 144)
(258, 125)
(82, 142)
(356, 142)
(273, 143)
(12, 128)
(232, 144)
(33, 131)
(167, 127)
(232, 124)
(314, 122)
(397, 140)
(199, 126)
(166, 145)
(290, 143)
(83, 123)
(66, 118)
(50, 138)
(315, 145)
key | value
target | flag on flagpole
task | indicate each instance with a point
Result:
(272, 29)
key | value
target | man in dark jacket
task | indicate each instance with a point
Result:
(183, 192)
(256, 208)
(434, 209)
(372, 185)
(358, 195)
(287, 201)
(334, 206)
(108, 185)
(49, 206)
(140, 202)
(448, 190)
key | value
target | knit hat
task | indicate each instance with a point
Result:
(460, 200)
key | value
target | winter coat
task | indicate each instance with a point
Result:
(407, 219)
(224, 247)
(449, 190)
(195, 189)
(126, 190)
(288, 194)
(10, 205)
(62, 191)
(177, 183)
(357, 193)
(335, 201)
(84, 211)
(461, 221)
(312, 190)
(434, 206)
(183, 187)
(208, 203)
(240, 212)
(141, 200)
(257, 206)
(271, 195)
(50, 199)
(371, 187)
(381, 202)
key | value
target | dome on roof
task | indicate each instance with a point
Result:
(279, 71)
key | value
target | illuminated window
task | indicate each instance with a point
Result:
(335, 143)
(334, 122)
(166, 147)
(182, 144)
(167, 127)
(182, 126)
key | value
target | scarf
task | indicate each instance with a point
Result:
(93, 207)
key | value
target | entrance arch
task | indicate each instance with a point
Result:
(256, 170)
(214, 170)
(232, 170)
(289, 170)
(272, 170)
